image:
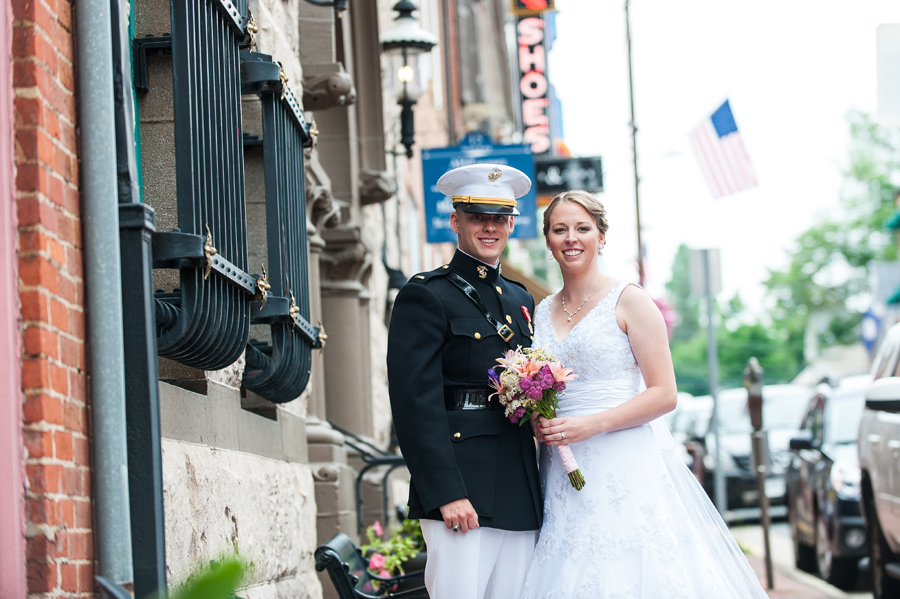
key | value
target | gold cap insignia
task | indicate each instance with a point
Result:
(482, 272)
(495, 174)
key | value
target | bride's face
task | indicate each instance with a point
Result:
(573, 236)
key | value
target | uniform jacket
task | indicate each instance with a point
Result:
(439, 339)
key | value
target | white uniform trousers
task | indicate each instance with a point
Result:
(485, 563)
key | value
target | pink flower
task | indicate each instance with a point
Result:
(384, 574)
(376, 526)
(561, 374)
(376, 562)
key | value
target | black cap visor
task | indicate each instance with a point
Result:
(486, 209)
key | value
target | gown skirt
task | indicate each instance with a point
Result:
(642, 527)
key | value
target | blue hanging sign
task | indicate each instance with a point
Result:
(475, 150)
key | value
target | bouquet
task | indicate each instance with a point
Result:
(532, 381)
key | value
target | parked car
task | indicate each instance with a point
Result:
(682, 421)
(783, 406)
(878, 442)
(823, 484)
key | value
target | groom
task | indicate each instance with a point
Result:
(474, 475)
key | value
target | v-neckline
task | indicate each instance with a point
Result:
(583, 318)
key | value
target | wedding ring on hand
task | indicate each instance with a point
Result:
(456, 528)
(562, 435)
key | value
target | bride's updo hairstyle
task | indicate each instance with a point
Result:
(583, 199)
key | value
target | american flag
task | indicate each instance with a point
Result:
(721, 154)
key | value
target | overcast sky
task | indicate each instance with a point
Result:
(792, 69)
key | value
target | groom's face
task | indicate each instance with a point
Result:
(482, 236)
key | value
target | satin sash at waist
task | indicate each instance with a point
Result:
(589, 397)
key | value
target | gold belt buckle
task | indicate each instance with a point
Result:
(505, 333)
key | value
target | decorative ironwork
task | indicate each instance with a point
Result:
(213, 312)
(262, 288)
(279, 371)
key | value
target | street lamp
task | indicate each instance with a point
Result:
(406, 39)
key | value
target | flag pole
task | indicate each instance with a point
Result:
(637, 199)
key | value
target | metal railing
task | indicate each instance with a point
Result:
(279, 372)
(206, 322)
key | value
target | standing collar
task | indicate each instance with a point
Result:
(473, 269)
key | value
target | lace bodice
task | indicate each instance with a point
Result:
(596, 349)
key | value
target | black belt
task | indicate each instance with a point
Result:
(503, 330)
(470, 399)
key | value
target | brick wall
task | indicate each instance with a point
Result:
(59, 550)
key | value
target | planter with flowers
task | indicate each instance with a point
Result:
(399, 552)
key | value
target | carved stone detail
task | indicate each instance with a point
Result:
(327, 86)
(345, 259)
(322, 212)
(327, 473)
(376, 187)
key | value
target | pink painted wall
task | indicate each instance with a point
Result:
(12, 521)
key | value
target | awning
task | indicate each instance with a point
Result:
(895, 297)
(537, 289)
(893, 222)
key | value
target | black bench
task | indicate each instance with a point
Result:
(351, 578)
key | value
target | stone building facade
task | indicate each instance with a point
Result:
(246, 151)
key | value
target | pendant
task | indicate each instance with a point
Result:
(569, 319)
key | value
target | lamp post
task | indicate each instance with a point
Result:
(407, 39)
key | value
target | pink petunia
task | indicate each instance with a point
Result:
(376, 562)
(376, 526)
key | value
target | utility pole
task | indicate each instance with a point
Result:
(637, 200)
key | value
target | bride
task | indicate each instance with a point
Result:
(642, 527)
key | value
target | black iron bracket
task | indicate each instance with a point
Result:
(140, 47)
(278, 309)
(233, 12)
(261, 74)
(175, 249)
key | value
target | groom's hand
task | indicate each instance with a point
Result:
(459, 513)
(536, 425)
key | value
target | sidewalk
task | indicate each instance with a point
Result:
(786, 587)
(788, 582)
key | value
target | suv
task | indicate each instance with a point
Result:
(879, 461)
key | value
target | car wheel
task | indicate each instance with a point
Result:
(841, 572)
(804, 555)
(883, 586)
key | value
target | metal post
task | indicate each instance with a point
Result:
(106, 343)
(137, 321)
(712, 358)
(753, 381)
(637, 180)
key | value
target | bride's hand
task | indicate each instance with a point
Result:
(560, 431)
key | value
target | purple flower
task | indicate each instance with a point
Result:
(516, 415)
(525, 383)
(534, 393)
(493, 377)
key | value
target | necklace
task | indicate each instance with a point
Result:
(572, 314)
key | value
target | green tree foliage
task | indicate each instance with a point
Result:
(686, 305)
(829, 264)
(820, 288)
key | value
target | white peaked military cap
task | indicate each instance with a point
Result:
(485, 188)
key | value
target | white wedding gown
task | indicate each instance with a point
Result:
(642, 527)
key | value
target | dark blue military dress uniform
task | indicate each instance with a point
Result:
(457, 443)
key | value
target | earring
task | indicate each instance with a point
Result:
(600, 247)
(550, 255)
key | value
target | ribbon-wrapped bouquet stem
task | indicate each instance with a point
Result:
(532, 380)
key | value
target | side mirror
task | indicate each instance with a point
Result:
(803, 440)
(884, 395)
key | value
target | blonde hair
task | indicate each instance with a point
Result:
(584, 199)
